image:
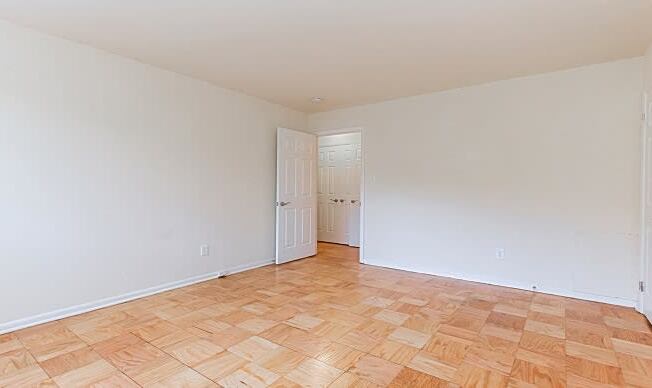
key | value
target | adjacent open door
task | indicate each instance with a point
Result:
(296, 195)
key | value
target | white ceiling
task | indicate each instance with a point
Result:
(349, 52)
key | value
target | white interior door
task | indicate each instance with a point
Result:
(339, 193)
(646, 235)
(332, 213)
(296, 195)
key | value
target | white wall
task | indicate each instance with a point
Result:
(546, 167)
(648, 69)
(114, 173)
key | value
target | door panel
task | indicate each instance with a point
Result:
(332, 225)
(339, 193)
(296, 197)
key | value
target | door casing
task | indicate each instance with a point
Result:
(363, 179)
(644, 304)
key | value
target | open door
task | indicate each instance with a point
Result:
(296, 195)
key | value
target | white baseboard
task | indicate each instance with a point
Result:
(565, 293)
(106, 302)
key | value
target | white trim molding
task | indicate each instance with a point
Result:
(568, 294)
(66, 312)
(340, 131)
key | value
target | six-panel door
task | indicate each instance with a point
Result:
(339, 194)
(296, 207)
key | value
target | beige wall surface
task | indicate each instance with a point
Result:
(117, 172)
(545, 167)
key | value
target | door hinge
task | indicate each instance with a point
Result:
(641, 286)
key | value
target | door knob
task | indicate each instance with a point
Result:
(283, 203)
(334, 200)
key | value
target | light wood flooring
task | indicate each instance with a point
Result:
(329, 321)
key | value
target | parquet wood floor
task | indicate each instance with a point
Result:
(329, 321)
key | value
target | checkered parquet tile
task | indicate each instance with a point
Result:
(329, 321)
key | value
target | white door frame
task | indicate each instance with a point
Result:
(363, 199)
(644, 303)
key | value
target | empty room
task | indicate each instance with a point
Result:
(322, 193)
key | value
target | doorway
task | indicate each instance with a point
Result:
(319, 192)
(339, 191)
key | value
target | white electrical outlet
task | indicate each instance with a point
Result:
(204, 250)
(500, 253)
